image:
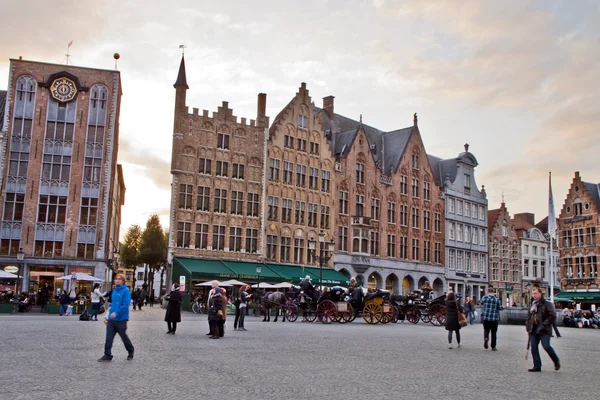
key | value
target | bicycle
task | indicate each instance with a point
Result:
(198, 308)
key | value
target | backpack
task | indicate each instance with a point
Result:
(84, 316)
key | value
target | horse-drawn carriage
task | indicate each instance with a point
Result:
(375, 307)
(414, 308)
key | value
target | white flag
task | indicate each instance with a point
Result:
(551, 215)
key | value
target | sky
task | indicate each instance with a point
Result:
(518, 80)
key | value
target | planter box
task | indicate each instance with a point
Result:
(6, 308)
(52, 308)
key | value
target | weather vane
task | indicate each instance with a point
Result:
(68, 56)
(182, 47)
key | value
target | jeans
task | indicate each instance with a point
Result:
(471, 317)
(237, 316)
(63, 309)
(221, 327)
(213, 328)
(95, 308)
(112, 328)
(457, 336)
(242, 317)
(535, 351)
(490, 326)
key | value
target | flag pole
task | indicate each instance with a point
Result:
(552, 231)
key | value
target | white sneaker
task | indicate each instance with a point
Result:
(450, 346)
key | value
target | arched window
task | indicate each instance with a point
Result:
(24, 106)
(97, 113)
(374, 281)
(360, 241)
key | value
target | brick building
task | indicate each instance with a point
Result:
(62, 189)
(504, 257)
(578, 226)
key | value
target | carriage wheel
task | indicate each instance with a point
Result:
(326, 311)
(396, 315)
(438, 314)
(372, 313)
(413, 315)
(426, 317)
(311, 316)
(388, 316)
(347, 315)
(292, 313)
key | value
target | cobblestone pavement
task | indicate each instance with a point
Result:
(52, 357)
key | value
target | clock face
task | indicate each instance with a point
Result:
(63, 90)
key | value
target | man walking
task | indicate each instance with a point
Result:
(116, 321)
(542, 317)
(490, 315)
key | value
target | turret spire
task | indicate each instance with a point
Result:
(181, 79)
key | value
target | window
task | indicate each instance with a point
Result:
(288, 172)
(579, 237)
(426, 191)
(580, 266)
(271, 247)
(301, 144)
(237, 202)
(185, 196)
(220, 200)
(324, 216)
(451, 259)
(591, 236)
(52, 210)
(415, 249)
(303, 121)
(24, 106)
(343, 238)
(403, 215)
(344, 203)
(505, 272)
(467, 261)
(222, 167)
(202, 202)
(403, 247)
(482, 264)
(218, 241)
(89, 211)
(495, 272)
(391, 212)
(312, 214)
(300, 175)
(543, 269)
(97, 114)
(273, 170)
(238, 171)
(85, 251)
(467, 234)
(360, 241)
(251, 240)
(404, 185)
(18, 164)
(475, 235)
(299, 251)
(593, 266)
(482, 237)
(288, 141)
(427, 220)
(314, 148)
(201, 239)
(60, 120)
(459, 207)
(415, 188)
(286, 210)
(13, 207)
(415, 217)
(467, 209)
(204, 166)
(459, 232)
(474, 211)
(325, 180)
(504, 230)
(451, 205)
(578, 208)
(235, 239)
(438, 222)
(183, 234)
(91, 170)
(360, 173)
(300, 208)
(459, 261)
(286, 243)
(481, 213)
(391, 246)
(567, 238)
(569, 267)
(467, 181)
(313, 178)
(252, 209)
(222, 141)
(427, 251)
(375, 244)
(415, 161)
(273, 210)
(534, 248)
(451, 231)
(48, 249)
(438, 253)
(360, 205)
(57, 167)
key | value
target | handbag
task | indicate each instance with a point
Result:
(462, 319)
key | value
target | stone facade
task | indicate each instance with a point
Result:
(504, 257)
(217, 168)
(466, 224)
(578, 226)
(62, 189)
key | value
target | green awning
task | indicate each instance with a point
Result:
(198, 268)
(247, 270)
(291, 273)
(585, 297)
(330, 276)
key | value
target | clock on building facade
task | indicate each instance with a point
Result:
(63, 90)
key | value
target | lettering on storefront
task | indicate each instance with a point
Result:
(361, 260)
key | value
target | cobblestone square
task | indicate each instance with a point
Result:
(52, 357)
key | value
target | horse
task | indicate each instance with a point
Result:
(276, 300)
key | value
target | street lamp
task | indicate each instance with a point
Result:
(20, 256)
(324, 253)
(258, 269)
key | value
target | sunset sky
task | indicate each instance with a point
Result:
(517, 80)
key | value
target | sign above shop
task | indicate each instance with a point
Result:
(11, 269)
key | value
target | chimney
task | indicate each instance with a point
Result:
(328, 105)
(261, 111)
(527, 217)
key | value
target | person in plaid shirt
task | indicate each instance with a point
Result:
(490, 307)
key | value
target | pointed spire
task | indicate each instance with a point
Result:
(415, 119)
(181, 79)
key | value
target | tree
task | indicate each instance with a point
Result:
(153, 249)
(130, 250)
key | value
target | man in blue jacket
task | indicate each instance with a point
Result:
(118, 315)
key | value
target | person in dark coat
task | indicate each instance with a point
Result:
(452, 325)
(539, 326)
(173, 314)
(215, 312)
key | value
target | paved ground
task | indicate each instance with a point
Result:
(54, 357)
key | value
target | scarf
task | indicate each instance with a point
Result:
(533, 310)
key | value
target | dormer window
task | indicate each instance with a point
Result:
(467, 181)
(578, 207)
(303, 121)
(504, 229)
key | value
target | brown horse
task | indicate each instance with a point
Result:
(276, 300)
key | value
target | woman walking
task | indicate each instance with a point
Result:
(452, 325)
(96, 295)
(173, 314)
(243, 304)
(215, 312)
